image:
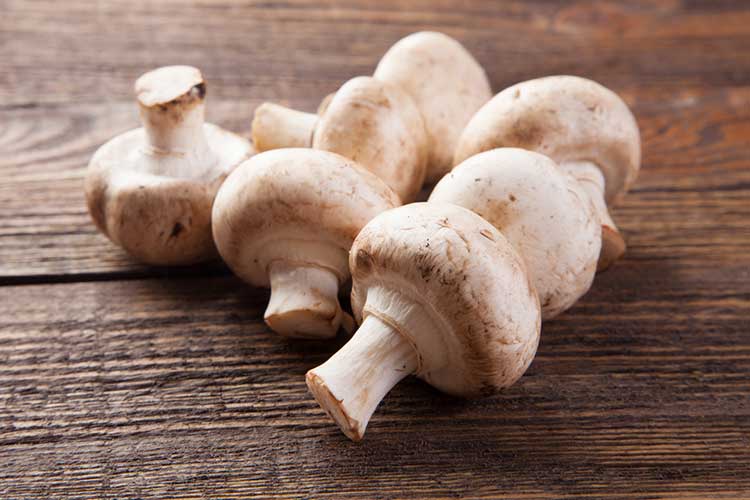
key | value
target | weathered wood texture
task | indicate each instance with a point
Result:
(137, 388)
(124, 381)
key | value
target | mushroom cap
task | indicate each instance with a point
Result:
(296, 204)
(158, 218)
(567, 118)
(542, 211)
(467, 278)
(447, 84)
(378, 126)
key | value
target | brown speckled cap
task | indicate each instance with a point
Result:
(294, 195)
(479, 315)
(542, 211)
(567, 118)
(447, 84)
(378, 126)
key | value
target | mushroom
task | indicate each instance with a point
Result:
(373, 123)
(439, 293)
(543, 212)
(286, 219)
(150, 190)
(586, 128)
(447, 84)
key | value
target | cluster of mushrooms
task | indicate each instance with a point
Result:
(452, 290)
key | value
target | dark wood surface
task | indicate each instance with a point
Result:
(119, 380)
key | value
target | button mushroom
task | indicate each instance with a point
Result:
(542, 211)
(439, 293)
(378, 126)
(373, 123)
(286, 219)
(447, 84)
(586, 128)
(150, 190)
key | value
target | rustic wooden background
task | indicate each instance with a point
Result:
(118, 380)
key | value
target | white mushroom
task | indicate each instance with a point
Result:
(447, 84)
(286, 219)
(586, 128)
(439, 293)
(378, 126)
(150, 190)
(373, 123)
(542, 211)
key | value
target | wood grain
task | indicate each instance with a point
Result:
(123, 381)
(175, 388)
(306, 48)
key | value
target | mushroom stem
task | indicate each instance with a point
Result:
(174, 127)
(277, 127)
(591, 179)
(350, 385)
(304, 302)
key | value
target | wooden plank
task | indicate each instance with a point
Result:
(692, 191)
(306, 48)
(174, 388)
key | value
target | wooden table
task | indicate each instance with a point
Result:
(121, 381)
